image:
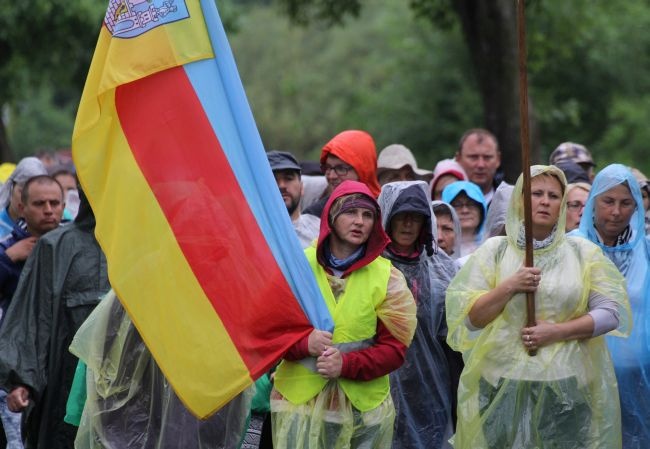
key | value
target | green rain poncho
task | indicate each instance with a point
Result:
(61, 283)
(565, 396)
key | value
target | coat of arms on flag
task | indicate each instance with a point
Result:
(130, 18)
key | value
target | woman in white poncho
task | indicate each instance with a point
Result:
(565, 396)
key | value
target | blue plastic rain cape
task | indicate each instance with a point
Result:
(631, 356)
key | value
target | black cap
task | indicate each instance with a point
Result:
(282, 160)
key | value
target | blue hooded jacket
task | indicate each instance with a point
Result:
(473, 192)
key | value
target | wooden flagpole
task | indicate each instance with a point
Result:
(525, 157)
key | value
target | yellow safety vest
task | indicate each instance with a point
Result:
(355, 319)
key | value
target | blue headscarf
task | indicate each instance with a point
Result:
(632, 259)
(473, 192)
(631, 356)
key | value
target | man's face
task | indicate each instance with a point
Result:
(480, 159)
(290, 187)
(44, 207)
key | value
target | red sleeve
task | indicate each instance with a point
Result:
(299, 350)
(384, 356)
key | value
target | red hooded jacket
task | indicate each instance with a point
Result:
(356, 148)
(387, 353)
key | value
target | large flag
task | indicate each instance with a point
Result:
(199, 244)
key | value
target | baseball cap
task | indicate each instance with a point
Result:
(282, 160)
(573, 152)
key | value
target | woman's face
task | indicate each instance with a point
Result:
(353, 226)
(469, 213)
(646, 198)
(405, 229)
(441, 183)
(546, 201)
(446, 233)
(613, 210)
(575, 205)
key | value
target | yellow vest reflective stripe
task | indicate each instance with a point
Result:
(355, 319)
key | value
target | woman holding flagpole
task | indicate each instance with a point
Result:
(332, 389)
(564, 396)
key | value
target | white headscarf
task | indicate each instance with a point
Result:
(27, 168)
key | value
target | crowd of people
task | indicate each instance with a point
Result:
(423, 274)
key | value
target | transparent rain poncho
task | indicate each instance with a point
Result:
(565, 396)
(631, 356)
(421, 388)
(130, 404)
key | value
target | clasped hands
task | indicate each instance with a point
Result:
(329, 360)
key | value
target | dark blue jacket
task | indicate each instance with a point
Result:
(9, 270)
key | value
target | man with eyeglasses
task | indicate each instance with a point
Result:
(350, 155)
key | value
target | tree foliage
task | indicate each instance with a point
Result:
(402, 70)
(587, 65)
(384, 72)
(44, 44)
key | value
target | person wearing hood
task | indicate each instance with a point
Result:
(445, 172)
(350, 156)
(130, 404)
(448, 226)
(411, 225)
(613, 219)
(61, 283)
(565, 395)
(11, 190)
(468, 201)
(495, 222)
(332, 389)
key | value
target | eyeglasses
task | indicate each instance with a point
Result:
(458, 205)
(340, 170)
(573, 205)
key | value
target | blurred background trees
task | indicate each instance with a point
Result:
(416, 72)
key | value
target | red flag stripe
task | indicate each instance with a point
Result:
(183, 162)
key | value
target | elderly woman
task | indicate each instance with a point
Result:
(448, 226)
(566, 395)
(614, 220)
(421, 387)
(332, 390)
